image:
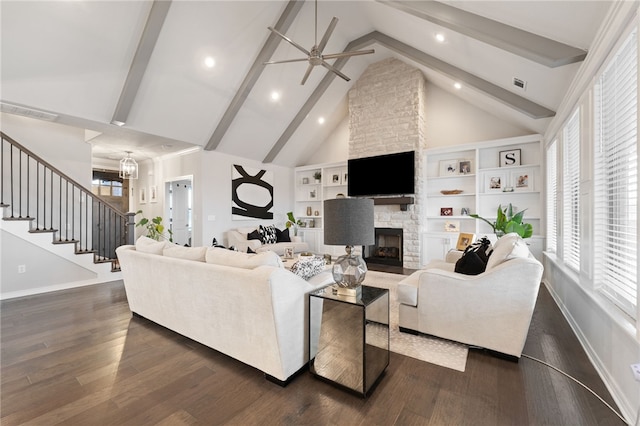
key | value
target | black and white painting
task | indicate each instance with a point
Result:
(251, 193)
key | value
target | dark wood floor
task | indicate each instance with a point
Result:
(78, 357)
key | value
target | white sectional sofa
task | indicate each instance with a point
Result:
(491, 310)
(246, 306)
(237, 238)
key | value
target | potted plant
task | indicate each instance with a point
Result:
(317, 176)
(507, 222)
(155, 228)
(292, 222)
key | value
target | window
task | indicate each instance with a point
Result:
(552, 197)
(571, 192)
(616, 177)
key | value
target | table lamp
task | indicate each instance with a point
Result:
(349, 222)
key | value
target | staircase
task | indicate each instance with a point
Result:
(49, 208)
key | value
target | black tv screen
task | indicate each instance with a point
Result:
(391, 174)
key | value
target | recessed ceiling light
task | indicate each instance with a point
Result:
(209, 62)
(457, 86)
(275, 95)
(440, 37)
(321, 120)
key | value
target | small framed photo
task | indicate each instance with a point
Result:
(288, 252)
(153, 194)
(523, 180)
(143, 196)
(452, 226)
(509, 158)
(495, 182)
(335, 179)
(446, 211)
(464, 240)
(465, 167)
(465, 211)
(327, 259)
(449, 167)
(305, 180)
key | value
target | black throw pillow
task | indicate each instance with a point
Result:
(475, 257)
(250, 251)
(255, 235)
(283, 236)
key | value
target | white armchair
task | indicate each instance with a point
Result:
(491, 310)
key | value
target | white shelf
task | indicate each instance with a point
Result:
(484, 158)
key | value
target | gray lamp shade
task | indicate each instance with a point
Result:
(348, 222)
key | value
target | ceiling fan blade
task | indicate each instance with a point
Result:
(327, 34)
(287, 39)
(350, 53)
(285, 61)
(335, 70)
(306, 74)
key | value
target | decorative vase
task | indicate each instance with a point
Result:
(309, 210)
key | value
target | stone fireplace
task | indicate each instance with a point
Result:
(386, 115)
(387, 249)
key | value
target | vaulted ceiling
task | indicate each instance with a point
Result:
(142, 63)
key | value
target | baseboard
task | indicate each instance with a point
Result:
(55, 287)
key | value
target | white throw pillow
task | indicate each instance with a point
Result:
(149, 245)
(508, 247)
(220, 256)
(308, 267)
(187, 253)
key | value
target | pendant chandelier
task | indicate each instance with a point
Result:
(128, 167)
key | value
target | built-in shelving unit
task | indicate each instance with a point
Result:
(480, 183)
(309, 196)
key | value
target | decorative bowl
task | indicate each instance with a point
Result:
(451, 191)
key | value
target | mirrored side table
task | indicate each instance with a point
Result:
(349, 337)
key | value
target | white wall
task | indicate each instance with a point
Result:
(62, 146)
(43, 270)
(211, 173)
(449, 121)
(452, 121)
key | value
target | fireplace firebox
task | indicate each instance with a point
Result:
(387, 249)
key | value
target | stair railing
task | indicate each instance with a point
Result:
(34, 190)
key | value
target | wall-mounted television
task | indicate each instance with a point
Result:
(390, 174)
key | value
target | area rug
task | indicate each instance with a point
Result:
(430, 349)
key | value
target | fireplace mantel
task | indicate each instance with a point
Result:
(387, 201)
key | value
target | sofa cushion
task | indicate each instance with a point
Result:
(268, 234)
(308, 267)
(283, 236)
(187, 253)
(239, 259)
(508, 247)
(149, 245)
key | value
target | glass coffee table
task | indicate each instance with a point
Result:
(349, 337)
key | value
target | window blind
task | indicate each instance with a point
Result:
(552, 197)
(616, 178)
(571, 192)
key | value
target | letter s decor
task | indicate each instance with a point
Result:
(251, 193)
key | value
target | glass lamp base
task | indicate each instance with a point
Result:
(349, 270)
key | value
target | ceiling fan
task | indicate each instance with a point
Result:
(315, 56)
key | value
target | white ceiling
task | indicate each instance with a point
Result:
(72, 58)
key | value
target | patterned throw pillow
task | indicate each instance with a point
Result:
(307, 268)
(268, 234)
